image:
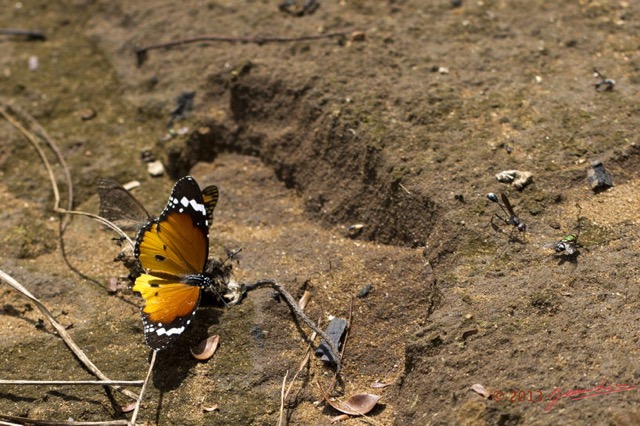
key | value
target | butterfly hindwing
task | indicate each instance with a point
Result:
(168, 310)
(210, 196)
(120, 207)
(172, 251)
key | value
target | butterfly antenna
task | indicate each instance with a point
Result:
(232, 255)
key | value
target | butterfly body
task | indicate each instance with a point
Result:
(173, 252)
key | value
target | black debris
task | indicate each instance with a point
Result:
(184, 105)
(335, 331)
(598, 177)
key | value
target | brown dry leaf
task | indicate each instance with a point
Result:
(481, 390)
(356, 405)
(205, 349)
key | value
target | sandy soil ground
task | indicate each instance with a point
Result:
(399, 125)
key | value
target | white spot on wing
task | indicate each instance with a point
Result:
(198, 207)
(177, 330)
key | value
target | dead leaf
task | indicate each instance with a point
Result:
(205, 349)
(357, 405)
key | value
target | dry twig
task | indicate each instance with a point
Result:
(73, 382)
(7, 112)
(141, 52)
(62, 332)
(29, 34)
(27, 421)
(144, 387)
(296, 308)
(303, 303)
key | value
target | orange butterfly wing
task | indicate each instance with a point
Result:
(173, 251)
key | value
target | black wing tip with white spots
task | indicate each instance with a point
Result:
(187, 198)
(158, 336)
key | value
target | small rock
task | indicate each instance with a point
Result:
(131, 185)
(87, 114)
(517, 178)
(155, 168)
(33, 63)
(598, 177)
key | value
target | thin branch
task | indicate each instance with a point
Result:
(344, 344)
(296, 308)
(62, 332)
(4, 111)
(56, 150)
(34, 142)
(29, 34)
(144, 387)
(7, 112)
(28, 421)
(141, 52)
(72, 382)
(282, 398)
(302, 303)
(103, 221)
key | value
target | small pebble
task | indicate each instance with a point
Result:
(516, 178)
(155, 168)
(87, 114)
(33, 63)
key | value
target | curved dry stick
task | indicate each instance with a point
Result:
(296, 308)
(27, 421)
(141, 52)
(103, 221)
(29, 34)
(62, 332)
(72, 382)
(54, 186)
(282, 398)
(5, 111)
(285, 394)
(144, 387)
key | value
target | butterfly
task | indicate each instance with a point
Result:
(123, 209)
(173, 251)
